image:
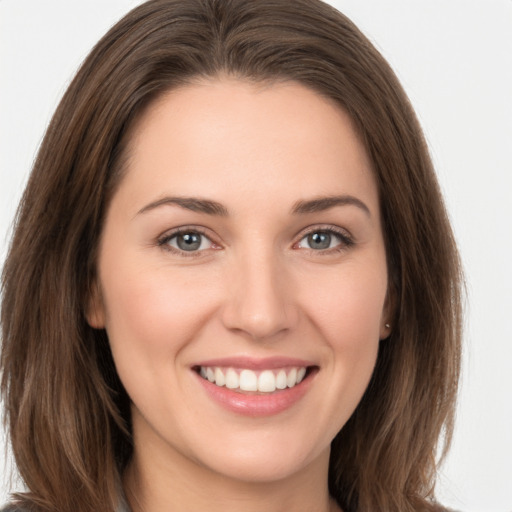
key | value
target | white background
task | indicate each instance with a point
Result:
(454, 58)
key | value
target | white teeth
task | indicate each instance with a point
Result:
(291, 379)
(267, 381)
(232, 381)
(281, 381)
(220, 380)
(248, 381)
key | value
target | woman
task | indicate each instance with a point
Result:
(232, 277)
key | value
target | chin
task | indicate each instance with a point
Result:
(264, 460)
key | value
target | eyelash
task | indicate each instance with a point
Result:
(163, 242)
(345, 239)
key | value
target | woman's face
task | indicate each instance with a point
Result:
(242, 278)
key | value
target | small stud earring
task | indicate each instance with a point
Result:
(387, 326)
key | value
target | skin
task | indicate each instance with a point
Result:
(254, 288)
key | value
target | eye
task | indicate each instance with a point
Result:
(324, 239)
(187, 241)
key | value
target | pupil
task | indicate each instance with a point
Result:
(319, 240)
(189, 241)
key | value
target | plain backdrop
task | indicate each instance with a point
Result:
(454, 58)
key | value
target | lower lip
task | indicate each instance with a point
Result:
(256, 405)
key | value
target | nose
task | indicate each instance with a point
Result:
(260, 298)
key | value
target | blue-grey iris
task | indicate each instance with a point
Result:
(319, 240)
(188, 241)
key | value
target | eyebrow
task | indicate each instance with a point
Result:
(321, 204)
(194, 204)
(210, 207)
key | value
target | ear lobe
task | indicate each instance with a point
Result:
(95, 311)
(385, 331)
(388, 313)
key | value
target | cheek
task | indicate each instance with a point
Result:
(153, 311)
(348, 306)
(345, 307)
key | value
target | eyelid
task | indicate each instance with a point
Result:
(163, 240)
(346, 238)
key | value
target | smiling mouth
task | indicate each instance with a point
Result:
(258, 382)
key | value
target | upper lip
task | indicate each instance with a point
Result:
(251, 363)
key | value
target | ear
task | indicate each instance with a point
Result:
(95, 310)
(388, 314)
(385, 330)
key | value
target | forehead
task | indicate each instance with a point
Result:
(225, 134)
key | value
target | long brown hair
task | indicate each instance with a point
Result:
(66, 410)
